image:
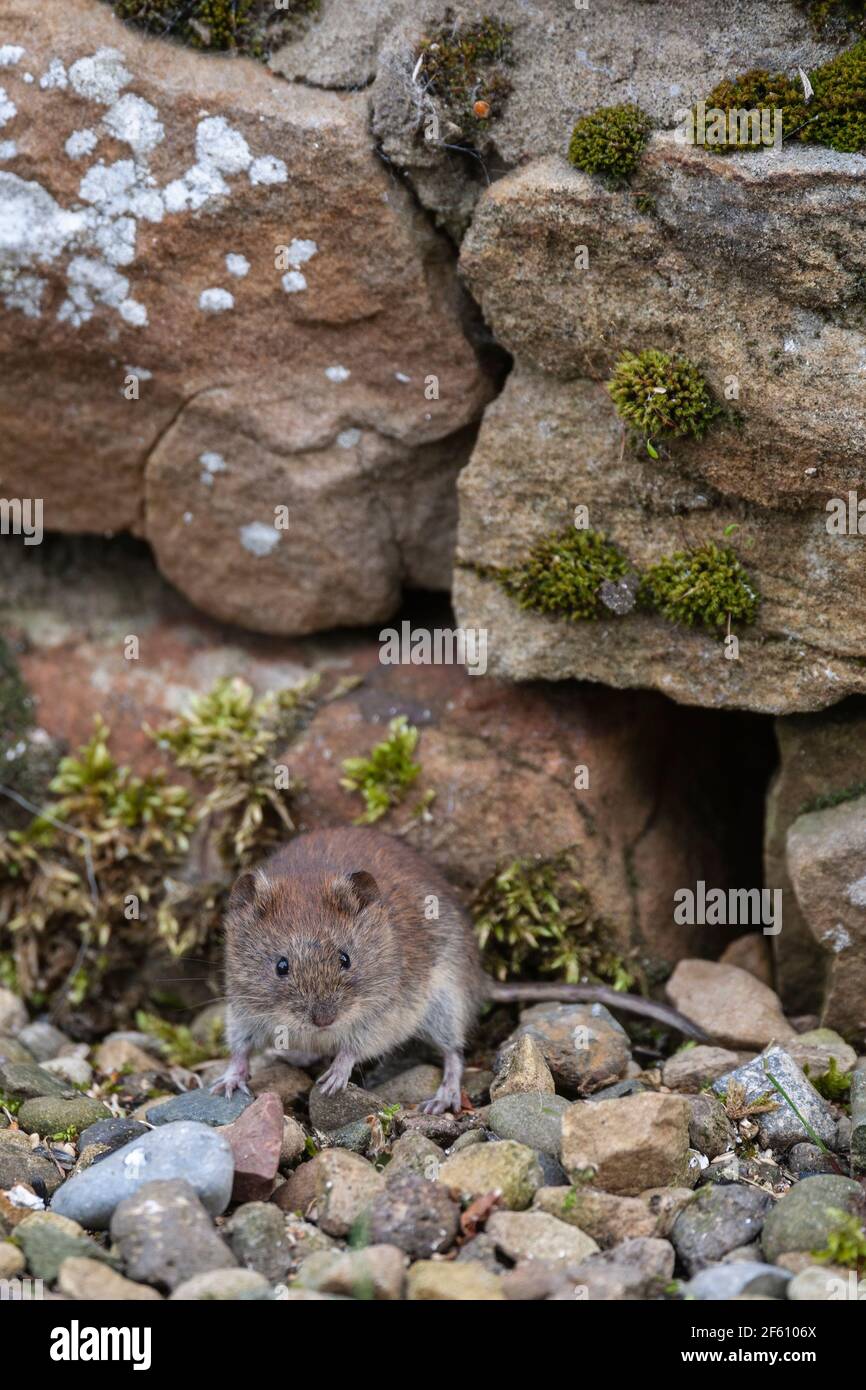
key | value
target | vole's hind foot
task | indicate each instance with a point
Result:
(234, 1078)
(446, 1098)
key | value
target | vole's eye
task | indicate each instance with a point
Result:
(344, 961)
(282, 966)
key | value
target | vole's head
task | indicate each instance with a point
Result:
(314, 953)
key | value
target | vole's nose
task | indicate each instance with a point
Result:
(323, 1014)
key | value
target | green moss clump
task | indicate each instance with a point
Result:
(832, 1084)
(177, 1043)
(662, 395)
(846, 1243)
(609, 141)
(384, 777)
(465, 67)
(700, 588)
(535, 915)
(253, 27)
(563, 575)
(836, 17)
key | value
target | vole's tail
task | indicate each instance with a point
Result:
(501, 993)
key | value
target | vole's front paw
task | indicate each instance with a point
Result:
(446, 1098)
(234, 1078)
(335, 1079)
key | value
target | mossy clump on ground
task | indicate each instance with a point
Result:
(385, 776)
(662, 396)
(535, 915)
(253, 27)
(610, 141)
(176, 1042)
(563, 574)
(835, 18)
(706, 587)
(835, 114)
(465, 68)
(846, 1242)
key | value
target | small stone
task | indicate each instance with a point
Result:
(257, 1235)
(201, 1107)
(467, 1139)
(476, 1084)
(43, 1040)
(604, 1217)
(328, 1113)
(256, 1139)
(730, 1004)
(716, 1222)
(637, 1269)
(52, 1115)
(582, 1044)
(11, 1050)
(510, 1169)
(751, 952)
(119, 1054)
(816, 1048)
(414, 1153)
(536, 1235)
(47, 1240)
(629, 1086)
(222, 1285)
(415, 1215)
(19, 1163)
(442, 1129)
(12, 1262)
(665, 1204)
(531, 1117)
(481, 1249)
(332, 1189)
(467, 1281)
(182, 1150)
(857, 1142)
(28, 1081)
(805, 1160)
(13, 1013)
(355, 1136)
(288, 1082)
(726, 1281)
(294, 1140)
(165, 1236)
(411, 1087)
(112, 1134)
(625, 1146)
(808, 1212)
(91, 1281)
(710, 1130)
(377, 1272)
(823, 1283)
(76, 1071)
(780, 1127)
(533, 1280)
(304, 1238)
(523, 1069)
(694, 1065)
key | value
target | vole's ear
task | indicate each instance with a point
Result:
(248, 893)
(356, 891)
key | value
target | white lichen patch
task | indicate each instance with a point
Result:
(294, 281)
(218, 145)
(8, 109)
(8, 149)
(100, 77)
(215, 301)
(337, 373)
(10, 55)
(136, 123)
(856, 893)
(55, 78)
(268, 169)
(237, 265)
(299, 251)
(81, 143)
(258, 537)
(836, 938)
(211, 463)
(347, 439)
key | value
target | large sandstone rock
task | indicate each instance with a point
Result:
(145, 204)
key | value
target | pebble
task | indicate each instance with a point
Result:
(523, 1068)
(808, 1212)
(533, 1118)
(76, 1071)
(637, 1269)
(536, 1235)
(19, 1163)
(12, 1262)
(442, 1129)
(27, 1081)
(180, 1150)
(258, 1237)
(726, 1281)
(119, 1054)
(333, 1189)
(411, 1087)
(719, 1220)
(43, 1040)
(222, 1285)
(780, 1127)
(467, 1139)
(468, 1281)
(625, 1146)
(272, 1074)
(165, 1236)
(818, 1283)
(256, 1140)
(91, 1281)
(112, 1134)
(51, 1115)
(805, 1160)
(200, 1106)
(377, 1272)
(417, 1216)
(510, 1169)
(710, 1130)
(696, 1064)
(294, 1140)
(414, 1153)
(328, 1113)
(730, 1004)
(11, 1050)
(13, 1012)
(583, 1045)
(356, 1136)
(47, 1240)
(601, 1215)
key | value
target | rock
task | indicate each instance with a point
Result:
(607, 1219)
(328, 1113)
(630, 1086)
(819, 1283)
(119, 1054)
(256, 1140)
(43, 1040)
(552, 1172)
(536, 1235)
(414, 1153)
(48, 1239)
(532, 1118)
(112, 1134)
(858, 1124)
(719, 1220)
(13, 1012)
(816, 1048)
(726, 1281)
(636, 1269)
(257, 1235)
(53, 1115)
(523, 1069)
(411, 1087)
(780, 1127)
(19, 1163)
(808, 1212)
(416, 1216)
(752, 953)
(377, 1272)
(165, 1235)
(710, 1130)
(352, 419)
(29, 1081)
(11, 1050)
(467, 1281)
(628, 1145)
(288, 1082)
(333, 1189)
(507, 1168)
(665, 1204)
(356, 1136)
(695, 1064)
(481, 1249)
(12, 1262)
(470, 1137)
(583, 1046)
(805, 1160)
(222, 1285)
(728, 1003)
(75, 1071)
(825, 851)
(294, 1140)
(90, 1281)
(533, 1280)
(304, 1238)
(181, 1150)
(200, 1107)
(439, 1129)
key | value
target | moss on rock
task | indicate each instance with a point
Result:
(662, 396)
(563, 574)
(254, 27)
(609, 141)
(700, 588)
(465, 67)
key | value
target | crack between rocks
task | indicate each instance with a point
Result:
(169, 425)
